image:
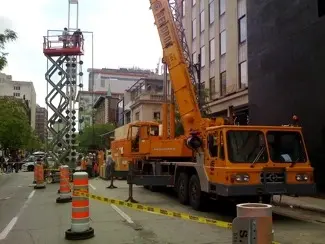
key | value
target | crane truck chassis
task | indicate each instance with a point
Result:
(214, 158)
(242, 163)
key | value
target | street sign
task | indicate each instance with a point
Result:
(244, 230)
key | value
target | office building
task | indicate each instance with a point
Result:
(87, 100)
(118, 80)
(216, 29)
(286, 69)
(41, 123)
(21, 90)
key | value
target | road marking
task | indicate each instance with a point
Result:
(118, 210)
(94, 188)
(122, 214)
(12, 223)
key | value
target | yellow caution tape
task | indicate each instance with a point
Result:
(160, 211)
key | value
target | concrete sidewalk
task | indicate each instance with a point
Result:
(306, 203)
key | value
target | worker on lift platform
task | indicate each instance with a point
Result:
(77, 38)
(65, 37)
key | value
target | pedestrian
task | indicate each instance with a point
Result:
(110, 166)
(2, 162)
(65, 37)
(77, 38)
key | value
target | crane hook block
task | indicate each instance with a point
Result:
(194, 141)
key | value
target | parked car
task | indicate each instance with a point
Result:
(28, 164)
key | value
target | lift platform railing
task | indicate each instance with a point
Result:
(62, 42)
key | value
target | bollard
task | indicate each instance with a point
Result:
(39, 176)
(80, 219)
(262, 224)
(64, 185)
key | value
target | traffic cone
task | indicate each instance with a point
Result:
(64, 185)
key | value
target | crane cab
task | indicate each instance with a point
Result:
(253, 160)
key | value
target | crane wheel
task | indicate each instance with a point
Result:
(182, 188)
(195, 194)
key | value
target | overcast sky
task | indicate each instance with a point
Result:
(124, 35)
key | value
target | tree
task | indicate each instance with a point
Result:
(15, 129)
(92, 138)
(34, 143)
(7, 36)
(179, 129)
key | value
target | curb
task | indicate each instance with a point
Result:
(312, 209)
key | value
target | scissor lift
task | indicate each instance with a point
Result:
(64, 79)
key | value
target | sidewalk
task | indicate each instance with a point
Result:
(307, 203)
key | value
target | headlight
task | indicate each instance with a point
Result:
(241, 177)
(302, 177)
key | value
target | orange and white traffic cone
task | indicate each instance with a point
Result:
(64, 185)
(39, 176)
(80, 219)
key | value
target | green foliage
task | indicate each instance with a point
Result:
(179, 129)
(5, 37)
(15, 129)
(34, 143)
(91, 137)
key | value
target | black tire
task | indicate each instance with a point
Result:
(30, 168)
(182, 188)
(195, 194)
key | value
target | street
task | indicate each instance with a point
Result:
(33, 217)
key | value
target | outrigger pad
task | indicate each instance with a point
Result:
(39, 187)
(90, 233)
(63, 200)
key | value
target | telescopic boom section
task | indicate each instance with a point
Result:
(179, 74)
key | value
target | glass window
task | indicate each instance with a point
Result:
(246, 147)
(183, 7)
(202, 21)
(213, 145)
(212, 86)
(286, 147)
(102, 82)
(193, 2)
(223, 83)
(211, 12)
(212, 53)
(222, 6)
(154, 130)
(194, 28)
(203, 56)
(242, 29)
(223, 45)
(194, 58)
(243, 73)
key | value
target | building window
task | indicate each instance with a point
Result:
(102, 83)
(183, 7)
(156, 115)
(223, 83)
(193, 2)
(202, 21)
(194, 28)
(321, 8)
(16, 94)
(222, 6)
(194, 58)
(243, 74)
(223, 45)
(202, 56)
(211, 12)
(212, 86)
(212, 53)
(137, 116)
(242, 29)
(17, 88)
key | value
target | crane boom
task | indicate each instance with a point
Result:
(178, 66)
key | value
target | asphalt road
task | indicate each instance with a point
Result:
(33, 217)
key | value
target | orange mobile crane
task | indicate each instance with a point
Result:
(214, 158)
